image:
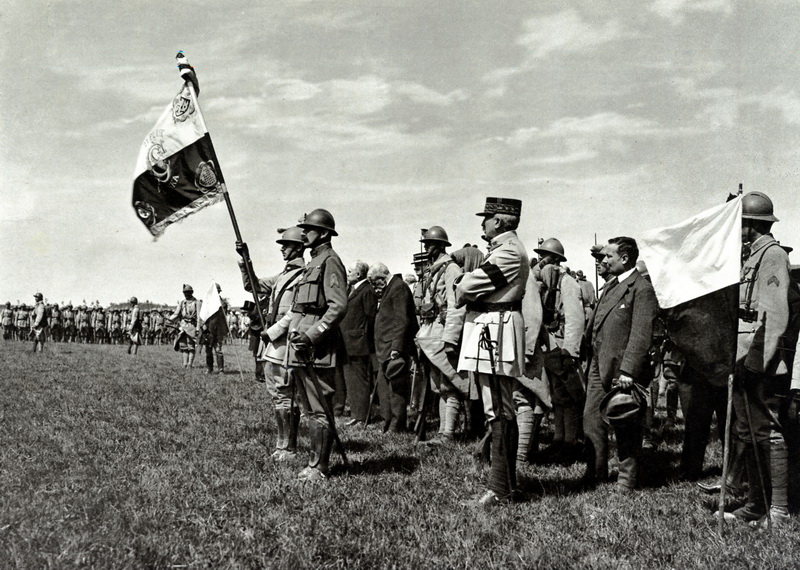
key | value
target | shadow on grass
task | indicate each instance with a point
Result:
(405, 464)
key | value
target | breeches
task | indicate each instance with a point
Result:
(314, 402)
(280, 383)
(766, 395)
(504, 387)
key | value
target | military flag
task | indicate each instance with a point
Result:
(695, 257)
(212, 313)
(694, 267)
(177, 173)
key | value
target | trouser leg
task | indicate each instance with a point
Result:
(595, 429)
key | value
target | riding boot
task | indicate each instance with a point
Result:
(282, 423)
(220, 363)
(315, 440)
(500, 475)
(293, 427)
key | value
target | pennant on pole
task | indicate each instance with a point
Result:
(695, 257)
(212, 313)
(176, 173)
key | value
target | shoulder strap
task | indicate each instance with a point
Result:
(276, 298)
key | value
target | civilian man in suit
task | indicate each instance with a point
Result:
(620, 331)
(395, 329)
(359, 340)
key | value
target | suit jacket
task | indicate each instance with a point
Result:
(358, 324)
(395, 322)
(621, 330)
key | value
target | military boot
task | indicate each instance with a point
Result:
(220, 363)
(281, 421)
(449, 418)
(293, 428)
(502, 476)
(321, 447)
(756, 507)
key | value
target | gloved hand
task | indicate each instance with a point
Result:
(242, 249)
(299, 341)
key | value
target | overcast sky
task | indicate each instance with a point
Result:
(603, 117)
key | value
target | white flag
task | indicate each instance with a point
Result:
(695, 257)
(212, 304)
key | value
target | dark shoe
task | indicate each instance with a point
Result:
(732, 502)
(709, 488)
(747, 513)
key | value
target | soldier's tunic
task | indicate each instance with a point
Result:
(442, 322)
(8, 322)
(493, 294)
(39, 321)
(135, 326)
(187, 311)
(280, 379)
(765, 345)
(318, 305)
(22, 324)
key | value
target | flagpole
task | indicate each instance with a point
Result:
(186, 73)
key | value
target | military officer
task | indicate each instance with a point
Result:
(494, 337)
(188, 313)
(318, 305)
(767, 338)
(39, 323)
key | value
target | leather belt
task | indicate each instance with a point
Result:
(494, 307)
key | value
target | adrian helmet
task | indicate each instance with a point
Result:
(319, 218)
(551, 246)
(757, 206)
(435, 234)
(290, 235)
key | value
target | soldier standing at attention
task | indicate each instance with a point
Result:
(134, 327)
(7, 321)
(767, 338)
(271, 354)
(39, 323)
(494, 337)
(187, 312)
(319, 304)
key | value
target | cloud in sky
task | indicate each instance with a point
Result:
(601, 117)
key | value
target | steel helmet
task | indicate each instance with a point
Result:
(133, 300)
(757, 206)
(290, 235)
(38, 296)
(319, 218)
(435, 234)
(551, 246)
(187, 288)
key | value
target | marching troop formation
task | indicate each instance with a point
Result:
(494, 343)
(95, 324)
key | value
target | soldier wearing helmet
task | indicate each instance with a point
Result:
(7, 320)
(319, 302)
(439, 335)
(134, 327)
(39, 323)
(563, 320)
(767, 338)
(187, 313)
(22, 324)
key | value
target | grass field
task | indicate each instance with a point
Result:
(109, 461)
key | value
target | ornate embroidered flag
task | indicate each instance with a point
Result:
(177, 173)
